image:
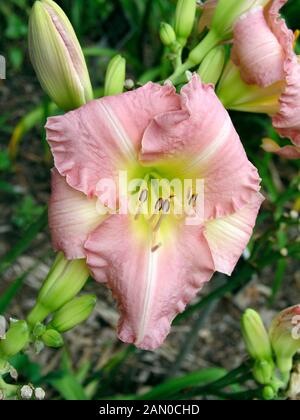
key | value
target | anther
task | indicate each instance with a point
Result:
(159, 204)
(156, 247)
(166, 206)
(143, 196)
(193, 200)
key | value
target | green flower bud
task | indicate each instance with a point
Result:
(38, 330)
(73, 313)
(167, 34)
(184, 19)
(64, 281)
(211, 68)
(57, 57)
(268, 393)
(52, 338)
(263, 371)
(17, 338)
(228, 11)
(255, 336)
(285, 337)
(115, 76)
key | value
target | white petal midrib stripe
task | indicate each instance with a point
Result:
(150, 278)
(115, 125)
(212, 148)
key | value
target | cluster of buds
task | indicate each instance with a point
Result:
(28, 392)
(176, 37)
(272, 349)
(58, 299)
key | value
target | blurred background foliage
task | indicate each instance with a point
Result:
(191, 363)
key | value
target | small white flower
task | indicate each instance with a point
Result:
(39, 393)
(26, 392)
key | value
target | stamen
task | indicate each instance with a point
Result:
(143, 196)
(159, 222)
(166, 206)
(158, 205)
(157, 209)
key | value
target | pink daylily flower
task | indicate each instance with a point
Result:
(263, 49)
(261, 44)
(235, 9)
(152, 270)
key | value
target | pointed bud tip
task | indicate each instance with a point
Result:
(57, 56)
(52, 338)
(255, 336)
(167, 34)
(115, 76)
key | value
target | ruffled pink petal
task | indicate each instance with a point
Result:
(287, 152)
(287, 120)
(258, 49)
(90, 143)
(72, 216)
(202, 138)
(228, 236)
(150, 287)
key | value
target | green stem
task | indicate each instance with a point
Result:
(178, 60)
(8, 389)
(37, 314)
(196, 55)
(180, 70)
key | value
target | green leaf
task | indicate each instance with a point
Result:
(24, 242)
(5, 163)
(11, 291)
(68, 387)
(173, 386)
(278, 278)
